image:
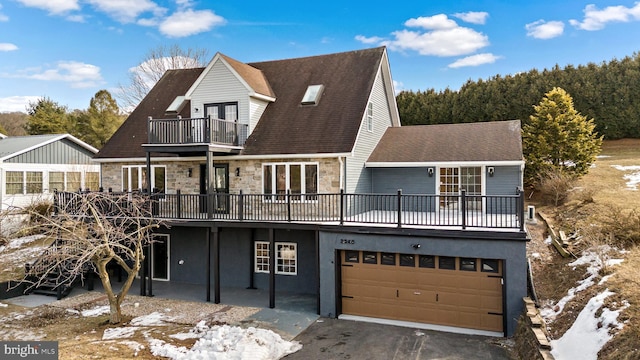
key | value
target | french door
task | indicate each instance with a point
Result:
(455, 179)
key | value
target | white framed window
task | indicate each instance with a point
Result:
(34, 182)
(286, 258)
(301, 179)
(370, 116)
(74, 181)
(14, 182)
(92, 180)
(262, 256)
(56, 181)
(134, 177)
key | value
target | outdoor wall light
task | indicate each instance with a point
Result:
(416, 246)
(430, 171)
(237, 171)
(196, 110)
(189, 172)
(181, 262)
(491, 170)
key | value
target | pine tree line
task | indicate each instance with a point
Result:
(608, 92)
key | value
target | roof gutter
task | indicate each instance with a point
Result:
(225, 157)
(442, 163)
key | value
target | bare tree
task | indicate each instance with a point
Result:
(92, 230)
(155, 63)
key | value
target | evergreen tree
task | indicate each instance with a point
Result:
(47, 117)
(558, 138)
(96, 125)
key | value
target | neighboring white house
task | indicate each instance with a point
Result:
(33, 167)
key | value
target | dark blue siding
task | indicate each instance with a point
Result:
(236, 261)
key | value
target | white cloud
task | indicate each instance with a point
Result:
(184, 4)
(473, 17)
(3, 17)
(52, 6)
(8, 47)
(190, 22)
(444, 37)
(369, 40)
(126, 11)
(475, 60)
(16, 103)
(435, 22)
(544, 30)
(596, 19)
(148, 22)
(398, 86)
(449, 42)
(76, 18)
(77, 74)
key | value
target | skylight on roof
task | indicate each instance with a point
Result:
(176, 106)
(312, 95)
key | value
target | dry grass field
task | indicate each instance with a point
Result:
(604, 200)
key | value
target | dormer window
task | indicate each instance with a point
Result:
(312, 95)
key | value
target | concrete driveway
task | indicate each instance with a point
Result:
(346, 339)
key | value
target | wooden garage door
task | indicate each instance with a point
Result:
(461, 292)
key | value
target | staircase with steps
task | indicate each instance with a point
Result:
(51, 273)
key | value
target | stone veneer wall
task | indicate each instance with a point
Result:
(249, 181)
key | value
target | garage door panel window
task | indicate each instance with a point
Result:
(407, 260)
(369, 257)
(388, 259)
(467, 264)
(490, 265)
(352, 256)
(427, 261)
(286, 258)
(446, 263)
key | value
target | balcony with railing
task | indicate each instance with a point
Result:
(463, 212)
(179, 133)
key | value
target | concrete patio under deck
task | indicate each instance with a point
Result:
(292, 313)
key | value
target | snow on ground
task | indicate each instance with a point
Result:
(96, 311)
(12, 256)
(18, 242)
(595, 259)
(229, 343)
(589, 332)
(119, 332)
(3, 305)
(153, 319)
(219, 342)
(633, 179)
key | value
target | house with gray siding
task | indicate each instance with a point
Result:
(296, 176)
(33, 167)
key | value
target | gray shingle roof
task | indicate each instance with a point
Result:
(483, 141)
(286, 127)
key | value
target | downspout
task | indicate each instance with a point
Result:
(343, 181)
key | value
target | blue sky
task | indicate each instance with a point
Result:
(67, 50)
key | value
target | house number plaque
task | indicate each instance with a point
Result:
(347, 241)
